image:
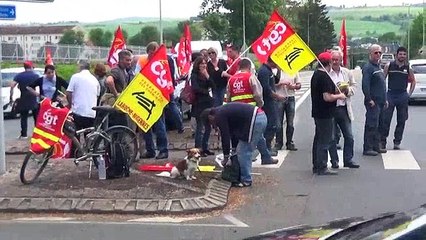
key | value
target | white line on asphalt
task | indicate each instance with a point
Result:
(237, 222)
(5, 222)
(282, 154)
(400, 160)
(303, 98)
(43, 219)
(164, 219)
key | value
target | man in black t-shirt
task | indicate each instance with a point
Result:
(324, 97)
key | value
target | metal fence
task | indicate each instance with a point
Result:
(60, 53)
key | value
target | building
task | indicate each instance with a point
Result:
(32, 38)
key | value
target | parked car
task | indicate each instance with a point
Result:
(419, 69)
(7, 75)
(386, 58)
(396, 225)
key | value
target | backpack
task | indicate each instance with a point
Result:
(117, 161)
(187, 94)
(232, 173)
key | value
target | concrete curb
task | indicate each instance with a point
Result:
(216, 197)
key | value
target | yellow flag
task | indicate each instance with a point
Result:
(142, 101)
(292, 55)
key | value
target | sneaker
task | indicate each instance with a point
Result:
(146, 155)
(270, 162)
(22, 137)
(208, 153)
(397, 146)
(370, 153)
(334, 165)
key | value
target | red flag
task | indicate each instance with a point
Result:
(49, 60)
(343, 43)
(117, 45)
(184, 51)
(276, 32)
(157, 70)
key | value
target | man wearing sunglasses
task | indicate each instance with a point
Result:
(374, 89)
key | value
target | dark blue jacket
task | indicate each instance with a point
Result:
(373, 83)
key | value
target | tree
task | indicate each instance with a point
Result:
(146, 35)
(100, 38)
(72, 37)
(231, 26)
(321, 29)
(416, 36)
(389, 37)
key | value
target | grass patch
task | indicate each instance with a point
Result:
(63, 70)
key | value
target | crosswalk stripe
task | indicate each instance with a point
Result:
(282, 154)
(400, 160)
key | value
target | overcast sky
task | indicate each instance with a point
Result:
(99, 10)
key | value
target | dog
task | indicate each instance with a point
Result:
(186, 168)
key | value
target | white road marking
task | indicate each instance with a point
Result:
(282, 154)
(164, 219)
(303, 98)
(235, 221)
(400, 160)
(44, 219)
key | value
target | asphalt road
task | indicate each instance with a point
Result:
(280, 197)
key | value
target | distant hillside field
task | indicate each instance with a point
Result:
(131, 25)
(355, 26)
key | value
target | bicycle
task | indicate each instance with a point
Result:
(95, 145)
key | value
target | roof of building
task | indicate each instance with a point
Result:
(27, 30)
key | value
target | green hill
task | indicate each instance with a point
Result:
(376, 20)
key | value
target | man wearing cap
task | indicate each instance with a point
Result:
(27, 101)
(324, 97)
(374, 89)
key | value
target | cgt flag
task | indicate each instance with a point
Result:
(280, 42)
(149, 92)
(117, 45)
(48, 60)
(343, 43)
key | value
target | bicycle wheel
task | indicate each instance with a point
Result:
(124, 136)
(33, 165)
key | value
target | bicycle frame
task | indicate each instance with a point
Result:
(93, 133)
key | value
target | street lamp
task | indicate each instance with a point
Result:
(244, 25)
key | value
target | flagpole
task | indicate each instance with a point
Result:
(232, 64)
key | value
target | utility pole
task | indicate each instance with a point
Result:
(2, 140)
(409, 31)
(244, 25)
(309, 22)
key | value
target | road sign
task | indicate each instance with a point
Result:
(7, 12)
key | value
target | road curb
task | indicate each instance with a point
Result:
(216, 197)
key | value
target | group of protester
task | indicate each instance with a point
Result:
(253, 114)
(332, 87)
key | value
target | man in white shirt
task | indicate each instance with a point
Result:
(82, 94)
(344, 116)
(286, 87)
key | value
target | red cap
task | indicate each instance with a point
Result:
(324, 57)
(28, 64)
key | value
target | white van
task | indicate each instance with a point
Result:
(196, 46)
(8, 74)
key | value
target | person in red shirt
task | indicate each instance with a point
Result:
(233, 53)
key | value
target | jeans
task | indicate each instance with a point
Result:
(24, 120)
(343, 122)
(245, 149)
(202, 134)
(271, 127)
(218, 95)
(373, 118)
(175, 114)
(400, 102)
(288, 108)
(324, 135)
(159, 129)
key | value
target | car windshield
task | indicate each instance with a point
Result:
(419, 68)
(387, 56)
(7, 78)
